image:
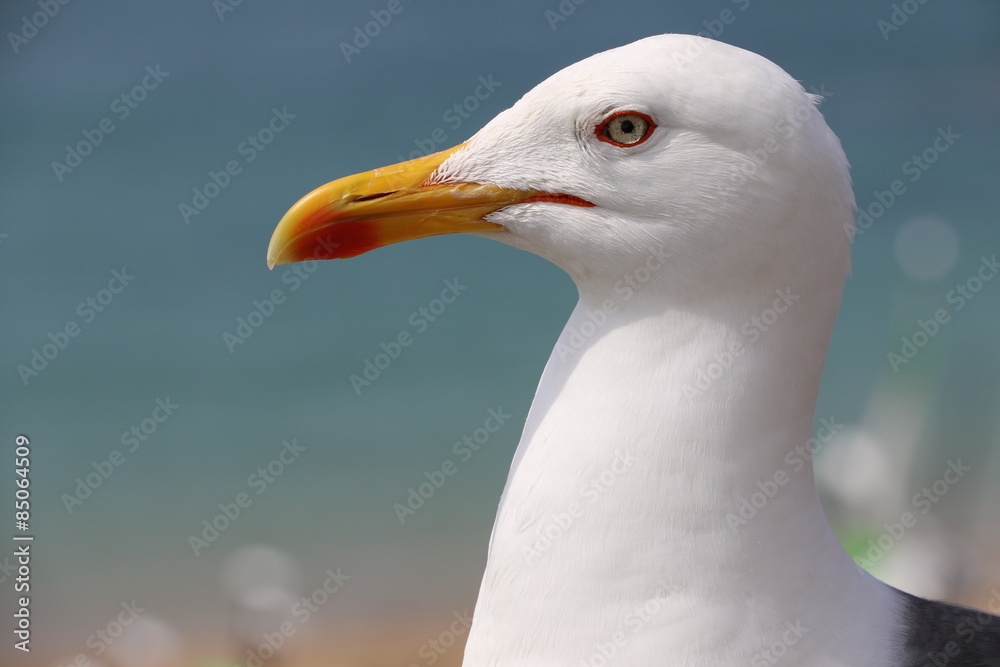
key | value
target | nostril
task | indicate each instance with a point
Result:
(370, 197)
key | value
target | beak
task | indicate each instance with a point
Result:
(353, 215)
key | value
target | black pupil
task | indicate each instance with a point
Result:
(627, 126)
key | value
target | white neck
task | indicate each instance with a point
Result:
(620, 529)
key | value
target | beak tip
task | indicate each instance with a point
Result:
(274, 250)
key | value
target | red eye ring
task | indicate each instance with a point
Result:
(601, 129)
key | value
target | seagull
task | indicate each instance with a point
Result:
(660, 508)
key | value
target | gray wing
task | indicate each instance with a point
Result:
(947, 635)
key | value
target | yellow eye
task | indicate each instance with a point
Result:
(625, 128)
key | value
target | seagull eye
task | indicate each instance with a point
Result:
(625, 128)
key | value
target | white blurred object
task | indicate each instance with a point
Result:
(261, 583)
(926, 248)
(868, 469)
(259, 612)
(858, 471)
(929, 562)
(147, 642)
(258, 566)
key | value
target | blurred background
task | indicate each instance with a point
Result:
(203, 468)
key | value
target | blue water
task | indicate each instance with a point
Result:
(162, 335)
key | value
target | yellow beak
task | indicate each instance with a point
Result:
(353, 215)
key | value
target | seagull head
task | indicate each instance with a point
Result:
(674, 146)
